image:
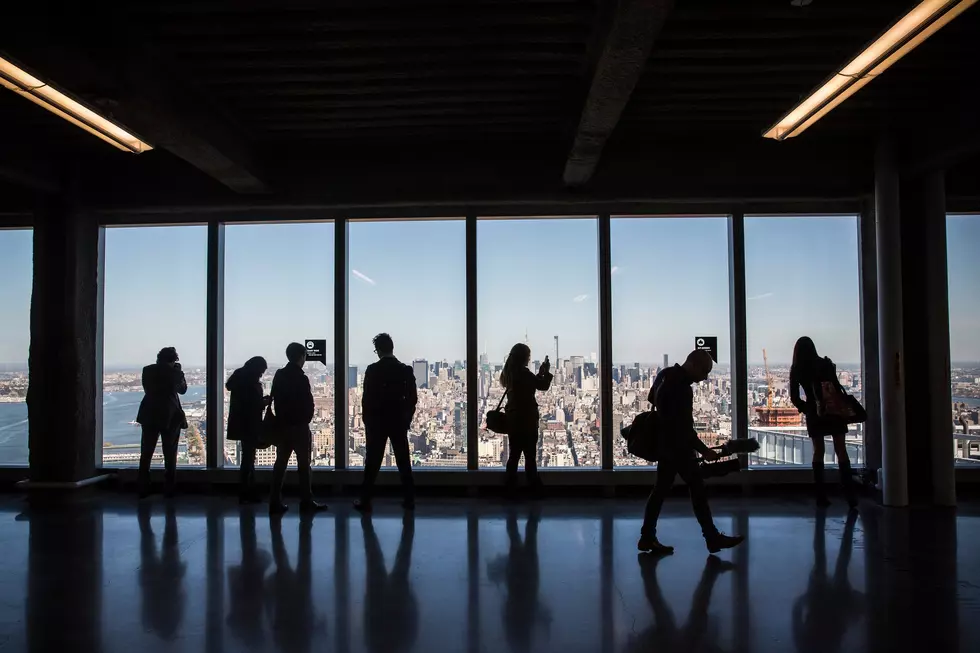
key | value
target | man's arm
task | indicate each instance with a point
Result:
(368, 396)
(181, 382)
(411, 392)
(308, 403)
(675, 405)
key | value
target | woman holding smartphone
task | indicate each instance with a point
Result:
(522, 411)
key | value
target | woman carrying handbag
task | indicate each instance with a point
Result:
(822, 407)
(522, 412)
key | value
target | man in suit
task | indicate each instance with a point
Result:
(161, 416)
(388, 406)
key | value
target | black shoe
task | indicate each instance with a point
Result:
(363, 506)
(719, 541)
(277, 508)
(650, 544)
(309, 505)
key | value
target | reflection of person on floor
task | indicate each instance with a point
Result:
(698, 634)
(391, 613)
(161, 575)
(822, 615)
(290, 605)
(521, 572)
(245, 583)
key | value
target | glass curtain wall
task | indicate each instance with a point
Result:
(17, 272)
(155, 296)
(963, 272)
(407, 278)
(539, 285)
(669, 290)
(278, 290)
(802, 278)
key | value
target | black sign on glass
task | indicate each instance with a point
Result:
(316, 351)
(708, 344)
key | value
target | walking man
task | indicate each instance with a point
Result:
(673, 400)
(388, 405)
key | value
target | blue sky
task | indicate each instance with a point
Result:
(536, 276)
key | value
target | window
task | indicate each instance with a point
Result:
(669, 287)
(278, 290)
(538, 284)
(16, 270)
(801, 279)
(155, 296)
(962, 241)
(407, 278)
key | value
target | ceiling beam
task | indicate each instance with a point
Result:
(634, 26)
(140, 90)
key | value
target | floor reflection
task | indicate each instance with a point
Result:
(206, 575)
(161, 575)
(523, 611)
(822, 616)
(391, 613)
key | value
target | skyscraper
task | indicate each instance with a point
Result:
(665, 362)
(421, 369)
(352, 376)
(459, 426)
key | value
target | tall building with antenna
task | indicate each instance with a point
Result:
(556, 350)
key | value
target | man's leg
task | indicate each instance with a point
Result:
(655, 502)
(373, 455)
(303, 446)
(403, 458)
(283, 451)
(148, 443)
(691, 473)
(170, 440)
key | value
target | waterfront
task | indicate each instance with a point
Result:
(118, 410)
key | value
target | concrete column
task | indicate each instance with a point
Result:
(891, 364)
(61, 398)
(928, 417)
(869, 336)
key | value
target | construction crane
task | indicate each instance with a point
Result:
(765, 361)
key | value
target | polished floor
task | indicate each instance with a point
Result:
(202, 574)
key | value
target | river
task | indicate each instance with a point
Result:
(118, 410)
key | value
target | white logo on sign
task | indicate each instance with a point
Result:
(309, 344)
(700, 342)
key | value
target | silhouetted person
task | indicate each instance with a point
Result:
(293, 407)
(698, 633)
(161, 416)
(391, 613)
(522, 412)
(291, 611)
(673, 398)
(809, 371)
(822, 615)
(245, 420)
(521, 571)
(161, 576)
(390, 397)
(246, 585)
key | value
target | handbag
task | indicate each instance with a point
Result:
(833, 402)
(497, 419)
(269, 435)
(642, 437)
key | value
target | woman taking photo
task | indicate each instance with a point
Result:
(809, 372)
(245, 420)
(522, 411)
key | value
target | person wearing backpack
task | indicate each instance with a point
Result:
(388, 405)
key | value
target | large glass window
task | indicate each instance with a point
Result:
(669, 287)
(278, 290)
(962, 245)
(538, 284)
(408, 279)
(16, 271)
(802, 279)
(155, 296)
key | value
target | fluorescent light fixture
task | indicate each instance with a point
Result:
(900, 39)
(23, 83)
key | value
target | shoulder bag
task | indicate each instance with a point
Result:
(497, 419)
